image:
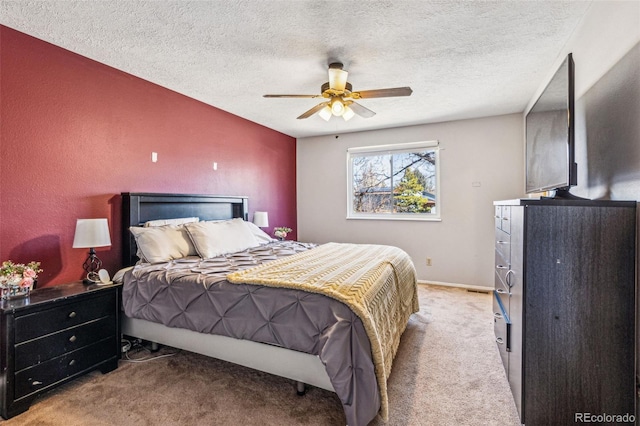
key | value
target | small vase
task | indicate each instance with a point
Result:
(10, 292)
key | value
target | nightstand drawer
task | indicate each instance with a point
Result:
(50, 372)
(45, 348)
(41, 323)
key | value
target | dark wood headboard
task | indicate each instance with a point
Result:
(138, 208)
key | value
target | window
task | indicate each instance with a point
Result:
(398, 181)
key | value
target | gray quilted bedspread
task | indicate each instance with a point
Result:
(194, 294)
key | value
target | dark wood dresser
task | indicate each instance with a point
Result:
(564, 307)
(56, 334)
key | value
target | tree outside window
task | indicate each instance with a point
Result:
(394, 181)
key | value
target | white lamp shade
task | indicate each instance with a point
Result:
(261, 219)
(337, 79)
(325, 113)
(91, 233)
(348, 113)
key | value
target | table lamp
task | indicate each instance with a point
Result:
(91, 233)
(261, 219)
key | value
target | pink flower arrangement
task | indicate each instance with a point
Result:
(281, 232)
(18, 274)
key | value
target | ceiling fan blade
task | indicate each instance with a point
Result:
(337, 77)
(361, 111)
(291, 96)
(313, 110)
(382, 93)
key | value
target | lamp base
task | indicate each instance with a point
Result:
(91, 278)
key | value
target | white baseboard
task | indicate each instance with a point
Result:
(465, 286)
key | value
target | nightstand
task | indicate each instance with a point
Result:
(55, 335)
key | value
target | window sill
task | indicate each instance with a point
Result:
(394, 217)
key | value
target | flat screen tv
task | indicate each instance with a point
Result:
(550, 145)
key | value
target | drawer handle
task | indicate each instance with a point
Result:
(36, 383)
(509, 273)
(72, 362)
(502, 242)
(501, 267)
(501, 291)
(72, 314)
(499, 341)
(73, 338)
(497, 315)
(505, 218)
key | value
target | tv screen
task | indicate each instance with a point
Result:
(550, 150)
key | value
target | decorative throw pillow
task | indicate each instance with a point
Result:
(162, 243)
(213, 239)
(261, 236)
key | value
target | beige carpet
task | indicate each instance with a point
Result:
(447, 372)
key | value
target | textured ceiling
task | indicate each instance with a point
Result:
(463, 59)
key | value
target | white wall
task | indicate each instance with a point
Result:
(487, 150)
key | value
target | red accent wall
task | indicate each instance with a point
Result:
(75, 133)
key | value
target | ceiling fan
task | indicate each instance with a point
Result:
(340, 97)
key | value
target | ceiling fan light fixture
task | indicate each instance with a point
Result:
(339, 98)
(325, 113)
(337, 107)
(348, 113)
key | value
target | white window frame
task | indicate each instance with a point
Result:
(432, 145)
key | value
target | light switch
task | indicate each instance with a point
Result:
(215, 166)
(154, 157)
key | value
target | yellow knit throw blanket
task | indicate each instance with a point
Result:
(377, 282)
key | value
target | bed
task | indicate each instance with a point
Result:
(260, 306)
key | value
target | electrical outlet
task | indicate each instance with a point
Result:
(428, 261)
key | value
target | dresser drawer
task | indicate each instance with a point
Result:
(63, 316)
(502, 215)
(503, 245)
(57, 369)
(39, 350)
(501, 328)
(503, 274)
(503, 294)
(505, 222)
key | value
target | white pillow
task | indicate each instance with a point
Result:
(162, 243)
(179, 221)
(213, 239)
(261, 236)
